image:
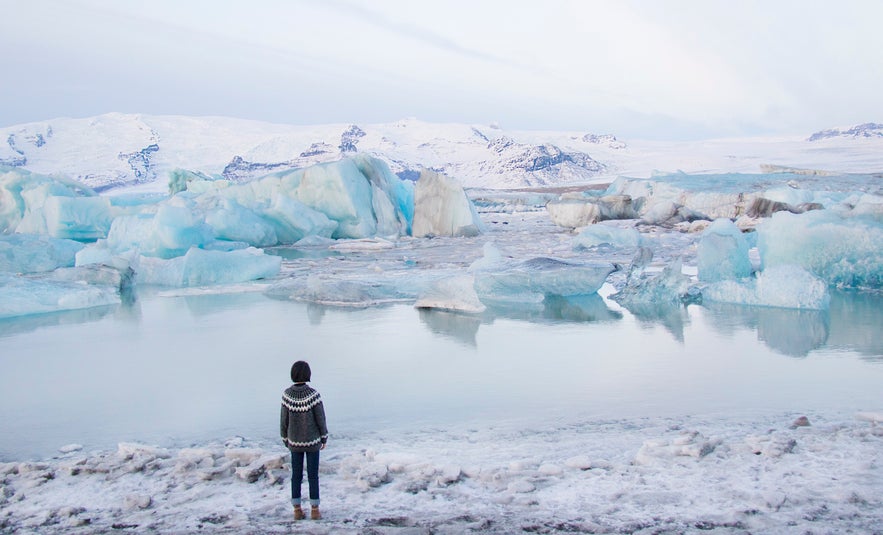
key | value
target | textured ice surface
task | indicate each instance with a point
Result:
(28, 253)
(37, 204)
(783, 286)
(441, 208)
(722, 252)
(600, 234)
(455, 294)
(844, 252)
(533, 279)
(25, 295)
(200, 267)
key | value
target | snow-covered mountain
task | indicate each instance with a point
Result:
(125, 150)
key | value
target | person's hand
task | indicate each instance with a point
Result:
(322, 447)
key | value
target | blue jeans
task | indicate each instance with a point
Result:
(297, 475)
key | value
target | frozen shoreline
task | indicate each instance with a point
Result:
(711, 474)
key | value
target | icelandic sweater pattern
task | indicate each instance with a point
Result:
(303, 419)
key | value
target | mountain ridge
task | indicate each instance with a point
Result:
(118, 150)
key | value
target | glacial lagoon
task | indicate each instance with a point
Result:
(180, 369)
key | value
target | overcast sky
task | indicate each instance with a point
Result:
(654, 69)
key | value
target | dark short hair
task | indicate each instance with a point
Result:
(300, 372)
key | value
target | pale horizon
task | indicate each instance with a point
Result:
(673, 70)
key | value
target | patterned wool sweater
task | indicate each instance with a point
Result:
(303, 419)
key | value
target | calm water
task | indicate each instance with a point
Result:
(173, 370)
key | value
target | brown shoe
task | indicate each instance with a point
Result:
(314, 513)
(298, 513)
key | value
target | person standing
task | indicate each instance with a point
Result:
(304, 433)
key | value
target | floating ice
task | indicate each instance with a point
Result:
(231, 221)
(37, 204)
(334, 291)
(844, 252)
(26, 295)
(441, 208)
(455, 294)
(599, 234)
(576, 212)
(199, 267)
(531, 280)
(722, 252)
(27, 253)
(780, 286)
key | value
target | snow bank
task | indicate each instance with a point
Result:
(674, 475)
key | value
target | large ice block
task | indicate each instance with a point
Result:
(26, 295)
(532, 280)
(38, 204)
(722, 252)
(781, 286)
(29, 253)
(600, 234)
(441, 208)
(844, 252)
(201, 268)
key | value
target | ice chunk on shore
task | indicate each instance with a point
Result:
(28, 253)
(722, 252)
(200, 267)
(441, 208)
(26, 295)
(844, 252)
(531, 280)
(780, 286)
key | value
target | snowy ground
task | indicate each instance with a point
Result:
(697, 474)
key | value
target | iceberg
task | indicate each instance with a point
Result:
(586, 209)
(332, 291)
(37, 204)
(596, 235)
(530, 281)
(668, 287)
(200, 267)
(22, 295)
(722, 252)
(231, 221)
(454, 294)
(441, 208)
(780, 286)
(843, 252)
(28, 253)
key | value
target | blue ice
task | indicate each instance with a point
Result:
(844, 252)
(30, 253)
(722, 252)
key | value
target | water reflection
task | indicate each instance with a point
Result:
(460, 327)
(787, 331)
(24, 324)
(672, 316)
(856, 319)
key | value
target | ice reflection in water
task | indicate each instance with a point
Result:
(180, 369)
